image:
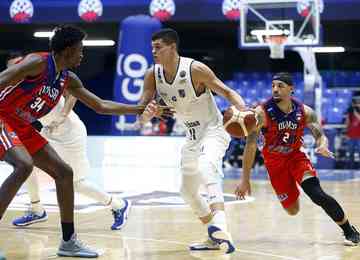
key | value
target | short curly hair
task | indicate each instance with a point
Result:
(66, 36)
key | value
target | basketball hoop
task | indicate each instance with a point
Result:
(276, 45)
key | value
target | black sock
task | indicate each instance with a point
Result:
(346, 227)
(67, 230)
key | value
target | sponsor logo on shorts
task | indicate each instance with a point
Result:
(282, 197)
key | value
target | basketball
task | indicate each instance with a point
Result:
(239, 123)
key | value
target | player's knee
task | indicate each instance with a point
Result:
(189, 167)
(215, 193)
(206, 166)
(293, 211)
(65, 172)
(313, 189)
(24, 167)
(186, 191)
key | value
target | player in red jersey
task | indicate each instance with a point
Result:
(28, 91)
(281, 123)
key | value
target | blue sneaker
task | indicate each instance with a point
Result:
(30, 218)
(121, 215)
(221, 237)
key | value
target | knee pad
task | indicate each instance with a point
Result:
(189, 166)
(210, 171)
(313, 189)
(190, 193)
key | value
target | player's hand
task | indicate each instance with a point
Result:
(243, 188)
(56, 123)
(155, 110)
(324, 151)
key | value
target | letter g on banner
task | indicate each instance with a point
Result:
(132, 68)
(134, 58)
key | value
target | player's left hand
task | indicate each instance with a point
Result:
(155, 110)
(324, 151)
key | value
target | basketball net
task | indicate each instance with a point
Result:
(277, 46)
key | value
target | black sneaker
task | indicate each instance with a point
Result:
(353, 238)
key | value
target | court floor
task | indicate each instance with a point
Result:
(260, 228)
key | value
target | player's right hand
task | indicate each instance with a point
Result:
(243, 188)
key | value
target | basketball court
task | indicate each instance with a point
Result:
(160, 226)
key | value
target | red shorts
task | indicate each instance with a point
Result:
(286, 172)
(13, 134)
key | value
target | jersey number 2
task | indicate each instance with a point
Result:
(286, 137)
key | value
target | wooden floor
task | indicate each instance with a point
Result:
(261, 230)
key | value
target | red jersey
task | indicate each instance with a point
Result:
(284, 132)
(34, 97)
(353, 127)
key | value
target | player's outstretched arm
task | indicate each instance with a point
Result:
(203, 75)
(147, 96)
(31, 65)
(244, 186)
(322, 143)
(99, 105)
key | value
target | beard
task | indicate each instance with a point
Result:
(277, 99)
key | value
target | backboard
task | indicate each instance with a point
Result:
(297, 21)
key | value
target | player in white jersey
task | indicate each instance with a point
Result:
(67, 134)
(186, 85)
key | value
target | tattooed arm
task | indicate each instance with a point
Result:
(312, 122)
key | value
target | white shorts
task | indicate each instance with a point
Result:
(212, 147)
(69, 141)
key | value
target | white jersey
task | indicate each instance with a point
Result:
(198, 113)
(70, 128)
(68, 139)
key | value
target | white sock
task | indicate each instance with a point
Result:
(117, 203)
(219, 220)
(37, 208)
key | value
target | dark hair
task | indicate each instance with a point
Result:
(168, 36)
(284, 77)
(14, 54)
(65, 36)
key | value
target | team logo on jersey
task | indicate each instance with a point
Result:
(182, 74)
(21, 11)
(174, 98)
(12, 134)
(181, 93)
